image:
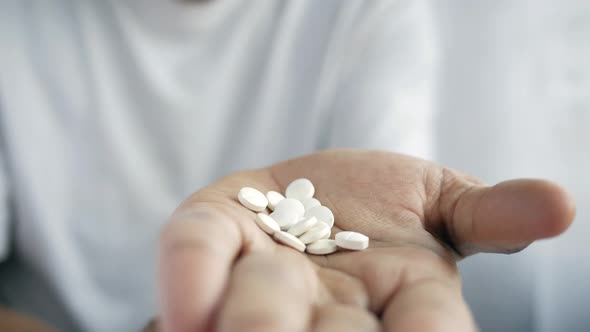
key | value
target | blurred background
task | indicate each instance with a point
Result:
(513, 100)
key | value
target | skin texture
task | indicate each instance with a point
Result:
(220, 272)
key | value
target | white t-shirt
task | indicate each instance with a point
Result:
(112, 112)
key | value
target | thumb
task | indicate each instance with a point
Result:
(503, 218)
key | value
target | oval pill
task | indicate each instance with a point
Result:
(300, 189)
(323, 213)
(320, 231)
(285, 218)
(289, 240)
(352, 240)
(322, 247)
(303, 226)
(290, 205)
(309, 203)
(267, 223)
(274, 198)
(252, 199)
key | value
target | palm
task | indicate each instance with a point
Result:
(403, 281)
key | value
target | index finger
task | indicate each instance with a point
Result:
(197, 250)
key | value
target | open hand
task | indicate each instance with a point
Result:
(220, 272)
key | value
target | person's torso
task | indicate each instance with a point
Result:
(113, 112)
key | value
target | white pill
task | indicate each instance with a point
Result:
(291, 205)
(352, 240)
(323, 214)
(303, 226)
(289, 240)
(320, 231)
(252, 199)
(285, 218)
(300, 189)
(322, 247)
(267, 224)
(273, 199)
(309, 203)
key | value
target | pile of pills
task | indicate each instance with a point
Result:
(299, 220)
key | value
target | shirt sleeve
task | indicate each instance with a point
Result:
(384, 93)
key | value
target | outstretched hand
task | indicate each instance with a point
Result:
(220, 272)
